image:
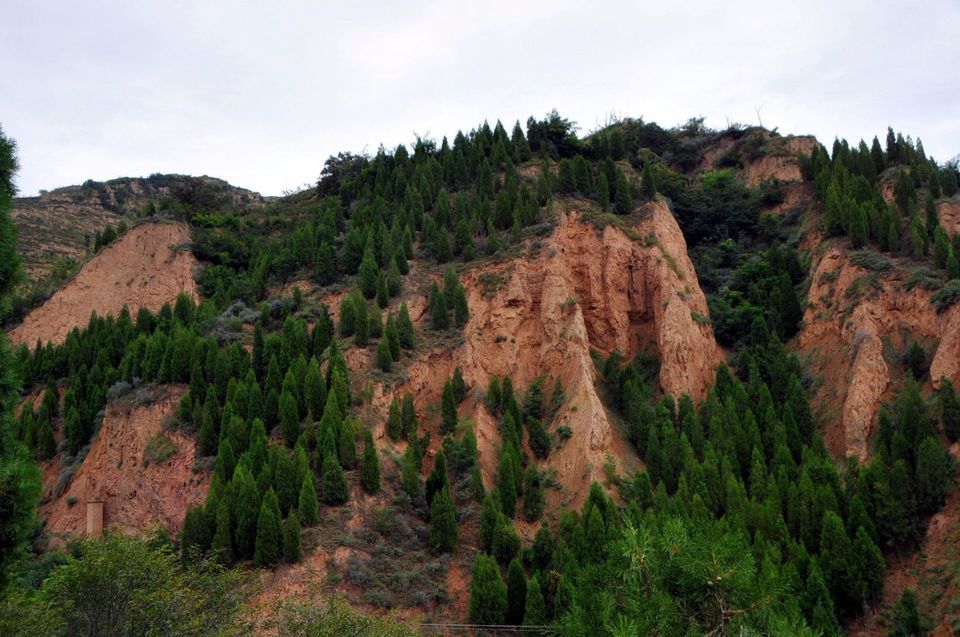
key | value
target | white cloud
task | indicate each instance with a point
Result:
(261, 93)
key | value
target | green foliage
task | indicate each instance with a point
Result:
(291, 538)
(324, 616)
(369, 465)
(334, 490)
(905, 619)
(448, 409)
(307, 501)
(488, 593)
(126, 586)
(269, 539)
(949, 410)
(443, 522)
(516, 593)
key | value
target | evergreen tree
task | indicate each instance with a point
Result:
(392, 336)
(488, 593)
(315, 389)
(369, 271)
(533, 497)
(370, 465)
(439, 314)
(648, 185)
(405, 328)
(448, 409)
(408, 416)
(291, 538)
(535, 611)
(905, 620)
(461, 313)
(307, 503)
(410, 474)
(540, 440)
(949, 410)
(269, 536)
(384, 357)
(477, 489)
(932, 476)
(335, 490)
(395, 428)
(622, 197)
(516, 593)
(221, 544)
(443, 522)
(289, 419)
(246, 507)
(46, 444)
(603, 192)
(507, 485)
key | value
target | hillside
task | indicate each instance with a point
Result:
(528, 357)
(63, 223)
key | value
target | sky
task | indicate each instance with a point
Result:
(261, 93)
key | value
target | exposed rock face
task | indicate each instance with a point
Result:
(140, 269)
(949, 214)
(781, 162)
(63, 222)
(543, 314)
(136, 496)
(854, 338)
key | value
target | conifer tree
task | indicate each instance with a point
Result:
(369, 271)
(384, 357)
(392, 336)
(405, 328)
(535, 611)
(533, 497)
(461, 312)
(439, 314)
(409, 474)
(315, 389)
(335, 490)
(603, 193)
(226, 460)
(369, 465)
(437, 480)
(488, 593)
(291, 538)
(540, 440)
(443, 522)
(307, 503)
(459, 385)
(269, 536)
(221, 544)
(395, 427)
(408, 416)
(245, 510)
(257, 447)
(507, 485)
(289, 419)
(819, 604)
(932, 475)
(516, 593)
(285, 479)
(648, 185)
(477, 489)
(623, 198)
(448, 409)
(905, 619)
(46, 444)
(949, 410)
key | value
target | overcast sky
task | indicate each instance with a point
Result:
(260, 93)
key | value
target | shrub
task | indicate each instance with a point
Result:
(946, 297)
(159, 449)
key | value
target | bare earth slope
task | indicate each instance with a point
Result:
(136, 495)
(585, 289)
(856, 326)
(140, 269)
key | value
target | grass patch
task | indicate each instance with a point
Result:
(159, 449)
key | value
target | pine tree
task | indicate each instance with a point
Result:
(535, 611)
(289, 419)
(488, 593)
(648, 185)
(384, 357)
(245, 510)
(448, 409)
(603, 192)
(307, 502)
(221, 544)
(516, 593)
(335, 490)
(405, 328)
(540, 440)
(905, 620)
(439, 314)
(533, 497)
(443, 522)
(835, 559)
(461, 313)
(623, 198)
(395, 427)
(949, 409)
(269, 533)
(932, 475)
(46, 444)
(477, 489)
(392, 336)
(869, 566)
(291, 538)
(408, 417)
(507, 485)
(819, 604)
(370, 465)
(369, 271)
(315, 389)
(410, 474)
(284, 479)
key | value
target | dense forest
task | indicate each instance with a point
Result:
(740, 523)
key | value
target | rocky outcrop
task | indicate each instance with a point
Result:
(857, 324)
(143, 268)
(137, 493)
(949, 213)
(543, 314)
